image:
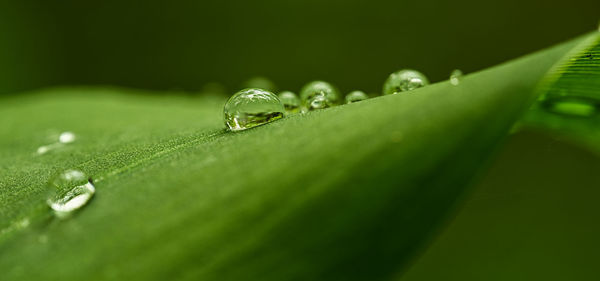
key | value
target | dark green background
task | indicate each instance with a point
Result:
(355, 44)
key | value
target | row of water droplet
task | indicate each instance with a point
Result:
(255, 105)
(251, 107)
(72, 189)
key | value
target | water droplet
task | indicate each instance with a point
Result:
(63, 138)
(250, 108)
(356, 96)
(318, 95)
(455, 77)
(260, 82)
(572, 106)
(68, 192)
(290, 101)
(66, 137)
(404, 80)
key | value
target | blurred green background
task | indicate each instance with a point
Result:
(532, 216)
(354, 44)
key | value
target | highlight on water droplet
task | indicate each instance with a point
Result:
(356, 96)
(250, 108)
(66, 137)
(318, 95)
(404, 80)
(43, 149)
(68, 192)
(260, 82)
(572, 106)
(290, 101)
(455, 77)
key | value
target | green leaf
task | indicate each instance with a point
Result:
(346, 193)
(570, 102)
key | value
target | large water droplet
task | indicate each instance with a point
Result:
(290, 101)
(404, 80)
(455, 77)
(572, 106)
(250, 108)
(69, 191)
(356, 96)
(260, 82)
(318, 95)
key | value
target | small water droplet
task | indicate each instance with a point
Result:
(250, 108)
(68, 192)
(572, 106)
(455, 77)
(66, 137)
(260, 82)
(356, 96)
(290, 101)
(404, 80)
(318, 95)
(63, 138)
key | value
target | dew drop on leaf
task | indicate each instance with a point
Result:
(68, 192)
(455, 77)
(250, 108)
(404, 80)
(572, 106)
(63, 138)
(356, 96)
(318, 95)
(290, 101)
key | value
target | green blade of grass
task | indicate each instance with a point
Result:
(347, 193)
(569, 106)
